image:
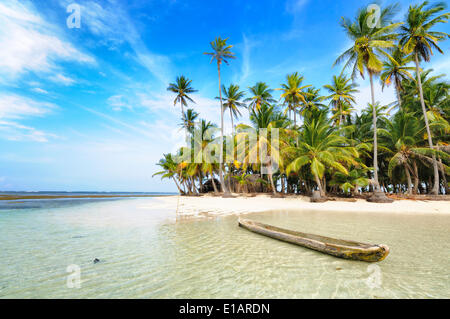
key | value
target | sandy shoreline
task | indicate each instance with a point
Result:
(215, 206)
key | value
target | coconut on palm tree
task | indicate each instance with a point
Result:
(369, 45)
(221, 53)
(418, 39)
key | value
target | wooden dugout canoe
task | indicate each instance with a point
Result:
(335, 247)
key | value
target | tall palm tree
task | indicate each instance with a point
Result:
(182, 88)
(233, 101)
(418, 39)
(293, 93)
(369, 44)
(221, 53)
(341, 96)
(261, 94)
(396, 71)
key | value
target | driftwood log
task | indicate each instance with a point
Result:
(336, 247)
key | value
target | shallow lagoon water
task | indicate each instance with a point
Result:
(147, 253)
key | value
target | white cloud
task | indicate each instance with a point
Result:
(442, 66)
(62, 79)
(363, 97)
(113, 26)
(39, 90)
(15, 106)
(295, 6)
(118, 102)
(14, 131)
(31, 44)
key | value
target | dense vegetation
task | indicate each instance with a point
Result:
(323, 143)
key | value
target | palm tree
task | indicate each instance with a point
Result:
(293, 93)
(401, 139)
(233, 101)
(320, 146)
(369, 43)
(182, 87)
(396, 71)
(188, 120)
(418, 39)
(169, 166)
(341, 96)
(261, 94)
(221, 53)
(264, 151)
(313, 102)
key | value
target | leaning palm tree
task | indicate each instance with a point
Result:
(221, 53)
(182, 87)
(169, 170)
(341, 96)
(233, 101)
(396, 70)
(418, 39)
(293, 93)
(261, 94)
(369, 44)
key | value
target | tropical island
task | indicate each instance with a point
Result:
(322, 147)
(275, 177)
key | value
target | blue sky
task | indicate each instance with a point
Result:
(87, 108)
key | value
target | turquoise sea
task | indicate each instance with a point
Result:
(49, 250)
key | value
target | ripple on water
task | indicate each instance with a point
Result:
(144, 255)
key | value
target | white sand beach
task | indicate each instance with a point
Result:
(205, 206)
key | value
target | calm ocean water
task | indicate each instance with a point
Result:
(146, 252)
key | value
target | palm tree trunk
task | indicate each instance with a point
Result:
(222, 184)
(375, 142)
(416, 178)
(408, 179)
(397, 90)
(193, 185)
(178, 186)
(444, 178)
(271, 179)
(232, 124)
(319, 185)
(435, 189)
(295, 118)
(213, 183)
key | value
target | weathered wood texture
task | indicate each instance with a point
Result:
(336, 247)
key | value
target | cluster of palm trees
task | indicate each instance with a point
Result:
(322, 143)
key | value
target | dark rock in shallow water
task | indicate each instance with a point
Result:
(96, 260)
